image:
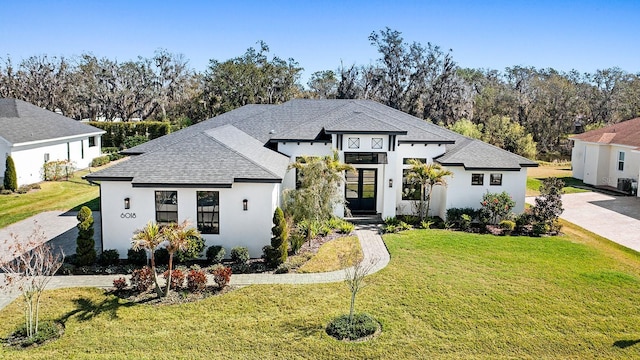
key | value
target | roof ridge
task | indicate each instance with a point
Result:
(237, 152)
(314, 118)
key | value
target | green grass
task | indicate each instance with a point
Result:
(54, 195)
(562, 171)
(444, 295)
(328, 256)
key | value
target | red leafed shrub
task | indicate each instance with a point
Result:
(222, 276)
(120, 283)
(142, 279)
(196, 280)
(177, 278)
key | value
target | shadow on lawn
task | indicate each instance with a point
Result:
(87, 309)
(625, 343)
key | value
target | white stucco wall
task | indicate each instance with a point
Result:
(29, 157)
(631, 164)
(597, 164)
(578, 159)
(460, 192)
(251, 228)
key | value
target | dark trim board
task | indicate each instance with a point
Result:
(260, 181)
(412, 142)
(162, 185)
(106, 178)
(366, 132)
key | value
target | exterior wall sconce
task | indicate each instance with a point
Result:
(390, 183)
(127, 203)
(245, 204)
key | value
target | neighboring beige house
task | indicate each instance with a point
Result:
(33, 136)
(609, 156)
(227, 174)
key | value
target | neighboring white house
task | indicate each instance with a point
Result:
(227, 174)
(609, 156)
(33, 136)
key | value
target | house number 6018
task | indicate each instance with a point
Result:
(128, 215)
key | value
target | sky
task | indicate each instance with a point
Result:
(320, 35)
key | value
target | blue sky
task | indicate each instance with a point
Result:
(582, 35)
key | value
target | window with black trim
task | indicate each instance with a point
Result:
(410, 189)
(621, 161)
(354, 143)
(208, 209)
(92, 141)
(376, 143)
(166, 207)
(495, 179)
(477, 179)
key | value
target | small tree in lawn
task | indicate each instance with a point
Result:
(85, 244)
(28, 266)
(427, 176)
(548, 207)
(276, 253)
(149, 238)
(10, 175)
(178, 237)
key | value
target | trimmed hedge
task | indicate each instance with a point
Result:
(117, 132)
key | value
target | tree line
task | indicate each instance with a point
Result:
(422, 80)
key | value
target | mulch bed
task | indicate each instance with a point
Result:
(150, 297)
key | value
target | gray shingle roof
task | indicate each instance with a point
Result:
(211, 158)
(230, 147)
(21, 122)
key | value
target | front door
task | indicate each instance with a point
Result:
(360, 190)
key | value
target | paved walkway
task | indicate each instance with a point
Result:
(374, 249)
(615, 218)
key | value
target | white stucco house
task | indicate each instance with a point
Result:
(227, 174)
(33, 136)
(609, 156)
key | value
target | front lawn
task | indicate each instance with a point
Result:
(444, 295)
(54, 195)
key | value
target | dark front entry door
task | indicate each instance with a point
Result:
(360, 190)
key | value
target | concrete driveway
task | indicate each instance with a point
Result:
(616, 218)
(58, 228)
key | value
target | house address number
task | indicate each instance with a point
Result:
(128, 215)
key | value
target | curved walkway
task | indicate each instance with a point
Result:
(374, 250)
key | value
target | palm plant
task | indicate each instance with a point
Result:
(178, 237)
(427, 176)
(149, 238)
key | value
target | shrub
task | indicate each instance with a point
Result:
(215, 254)
(325, 230)
(137, 257)
(390, 229)
(109, 257)
(115, 156)
(177, 278)
(391, 221)
(296, 240)
(56, 170)
(548, 205)
(10, 175)
(6, 192)
(276, 253)
(334, 222)
(120, 283)
(239, 255)
(162, 256)
(142, 279)
(283, 268)
(507, 225)
(540, 229)
(346, 228)
(195, 246)
(360, 326)
(100, 160)
(196, 280)
(110, 150)
(426, 224)
(222, 276)
(495, 207)
(402, 226)
(411, 219)
(131, 141)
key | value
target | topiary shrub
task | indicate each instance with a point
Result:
(276, 253)
(85, 245)
(10, 175)
(109, 257)
(137, 257)
(215, 254)
(162, 256)
(239, 255)
(360, 326)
